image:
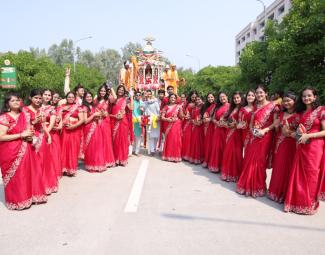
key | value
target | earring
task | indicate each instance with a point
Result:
(9, 110)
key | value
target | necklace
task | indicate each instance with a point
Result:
(291, 112)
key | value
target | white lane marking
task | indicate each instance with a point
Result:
(133, 202)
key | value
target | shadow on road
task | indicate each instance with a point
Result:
(187, 217)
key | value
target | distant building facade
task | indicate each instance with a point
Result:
(254, 30)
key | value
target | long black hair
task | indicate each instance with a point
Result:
(5, 105)
(54, 93)
(172, 94)
(292, 96)
(188, 99)
(66, 96)
(207, 104)
(47, 89)
(219, 104)
(85, 103)
(255, 101)
(233, 105)
(33, 92)
(99, 97)
(300, 105)
(120, 86)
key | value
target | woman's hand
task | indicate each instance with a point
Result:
(57, 127)
(187, 117)
(36, 120)
(97, 114)
(206, 120)
(277, 123)
(27, 133)
(66, 108)
(49, 139)
(233, 124)
(293, 135)
(214, 121)
(70, 126)
(303, 139)
(131, 92)
(118, 117)
(240, 126)
(261, 133)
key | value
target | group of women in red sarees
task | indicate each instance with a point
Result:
(240, 137)
(43, 140)
(244, 137)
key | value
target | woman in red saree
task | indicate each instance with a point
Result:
(94, 153)
(21, 172)
(72, 119)
(304, 181)
(39, 114)
(55, 134)
(208, 126)
(122, 126)
(233, 153)
(220, 118)
(172, 113)
(245, 115)
(103, 103)
(197, 143)
(258, 154)
(187, 125)
(284, 148)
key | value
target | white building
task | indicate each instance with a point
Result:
(254, 31)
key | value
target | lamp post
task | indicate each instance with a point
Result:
(74, 63)
(197, 60)
(264, 14)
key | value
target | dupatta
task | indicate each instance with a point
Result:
(14, 150)
(208, 114)
(120, 108)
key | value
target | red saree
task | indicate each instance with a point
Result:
(173, 141)
(284, 151)
(258, 154)
(21, 172)
(218, 140)
(94, 155)
(55, 146)
(105, 126)
(304, 178)
(197, 144)
(233, 154)
(187, 133)
(208, 130)
(245, 116)
(43, 150)
(122, 131)
(70, 140)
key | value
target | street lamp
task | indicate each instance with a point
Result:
(74, 63)
(197, 60)
(264, 13)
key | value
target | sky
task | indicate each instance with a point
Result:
(205, 29)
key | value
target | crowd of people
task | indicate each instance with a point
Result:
(240, 137)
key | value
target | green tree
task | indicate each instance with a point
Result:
(128, 50)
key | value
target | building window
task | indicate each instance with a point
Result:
(271, 17)
(243, 39)
(262, 24)
(238, 42)
(255, 31)
(281, 10)
(262, 38)
(248, 35)
(238, 53)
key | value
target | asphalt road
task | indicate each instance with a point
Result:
(183, 209)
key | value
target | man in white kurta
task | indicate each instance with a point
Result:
(151, 107)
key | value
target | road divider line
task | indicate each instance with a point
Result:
(134, 198)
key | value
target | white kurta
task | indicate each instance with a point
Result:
(152, 108)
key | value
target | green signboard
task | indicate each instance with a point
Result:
(9, 77)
